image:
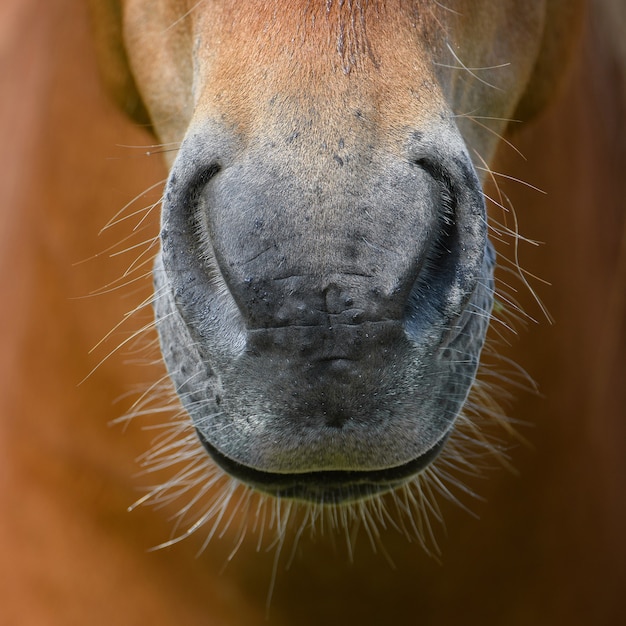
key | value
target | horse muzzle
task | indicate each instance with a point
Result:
(322, 306)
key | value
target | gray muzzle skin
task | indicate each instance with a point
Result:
(322, 319)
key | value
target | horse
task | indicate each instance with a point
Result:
(323, 219)
(548, 546)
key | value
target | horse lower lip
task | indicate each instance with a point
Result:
(325, 487)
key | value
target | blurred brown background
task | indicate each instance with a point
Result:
(550, 545)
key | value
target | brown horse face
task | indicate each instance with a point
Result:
(325, 277)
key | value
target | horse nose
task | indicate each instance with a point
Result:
(390, 238)
(326, 309)
(346, 250)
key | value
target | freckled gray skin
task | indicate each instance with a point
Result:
(322, 305)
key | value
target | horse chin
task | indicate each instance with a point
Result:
(325, 487)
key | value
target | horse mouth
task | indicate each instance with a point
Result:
(325, 486)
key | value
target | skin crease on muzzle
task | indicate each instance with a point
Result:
(325, 280)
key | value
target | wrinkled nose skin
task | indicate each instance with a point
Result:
(322, 308)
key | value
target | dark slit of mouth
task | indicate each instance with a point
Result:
(325, 487)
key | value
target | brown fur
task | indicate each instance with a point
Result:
(549, 547)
